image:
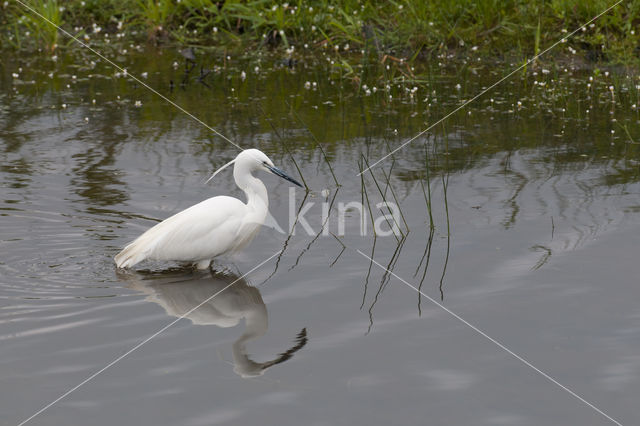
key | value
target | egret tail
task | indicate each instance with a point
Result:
(131, 255)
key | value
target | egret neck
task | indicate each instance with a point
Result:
(254, 189)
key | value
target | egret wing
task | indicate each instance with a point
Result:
(203, 231)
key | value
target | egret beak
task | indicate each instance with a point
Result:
(276, 171)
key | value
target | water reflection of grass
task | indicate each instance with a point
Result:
(579, 114)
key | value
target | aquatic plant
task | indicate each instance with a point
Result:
(43, 24)
(349, 29)
(156, 14)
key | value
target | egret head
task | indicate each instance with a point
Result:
(253, 160)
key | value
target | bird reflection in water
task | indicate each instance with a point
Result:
(179, 291)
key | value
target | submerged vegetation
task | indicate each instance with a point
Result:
(355, 30)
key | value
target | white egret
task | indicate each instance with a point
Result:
(216, 226)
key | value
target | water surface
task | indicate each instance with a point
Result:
(535, 211)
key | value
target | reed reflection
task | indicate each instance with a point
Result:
(180, 291)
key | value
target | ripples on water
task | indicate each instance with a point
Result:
(542, 203)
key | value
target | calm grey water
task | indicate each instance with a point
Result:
(536, 215)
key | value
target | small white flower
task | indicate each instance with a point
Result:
(15, 75)
(144, 74)
(215, 30)
(86, 119)
(307, 85)
(138, 104)
(64, 106)
(458, 86)
(243, 75)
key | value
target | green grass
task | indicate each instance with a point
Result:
(350, 29)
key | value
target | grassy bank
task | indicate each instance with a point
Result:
(352, 29)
